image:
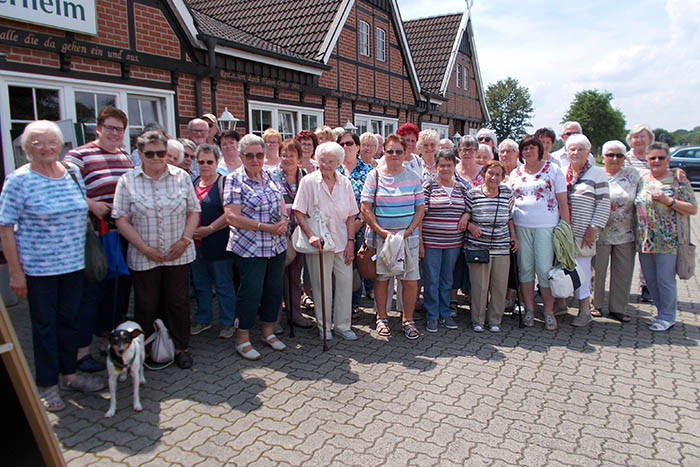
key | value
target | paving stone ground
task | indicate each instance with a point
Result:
(608, 394)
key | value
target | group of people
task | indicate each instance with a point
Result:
(224, 212)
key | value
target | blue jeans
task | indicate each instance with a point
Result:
(660, 273)
(438, 267)
(460, 276)
(220, 273)
(260, 290)
(54, 302)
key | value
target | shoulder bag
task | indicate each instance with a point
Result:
(95, 258)
(366, 258)
(685, 250)
(162, 349)
(483, 256)
(318, 223)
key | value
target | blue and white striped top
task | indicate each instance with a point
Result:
(50, 216)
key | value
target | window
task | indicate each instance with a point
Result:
(458, 77)
(364, 38)
(383, 126)
(442, 130)
(465, 82)
(286, 119)
(381, 45)
(74, 104)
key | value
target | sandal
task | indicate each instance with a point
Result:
(355, 313)
(529, 319)
(597, 313)
(51, 400)
(621, 317)
(661, 325)
(453, 305)
(410, 330)
(383, 328)
(307, 302)
(83, 383)
(274, 343)
(550, 323)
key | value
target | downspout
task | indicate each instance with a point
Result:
(209, 72)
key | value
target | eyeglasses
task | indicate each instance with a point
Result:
(113, 129)
(152, 154)
(615, 155)
(207, 162)
(467, 149)
(569, 133)
(40, 145)
(394, 151)
(484, 139)
(347, 143)
(657, 158)
(250, 156)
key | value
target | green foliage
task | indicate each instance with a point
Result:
(510, 106)
(678, 137)
(599, 120)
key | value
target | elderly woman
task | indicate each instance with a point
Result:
(441, 242)
(615, 244)
(639, 138)
(468, 171)
(187, 163)
(539, 193)
(256, 211)
(508, 153)
(427, 146)
(589, 204)
(356, 170)
(547, 138)
(176, 152)
(272, 140)
(42, 227)
(188, 146)
(411, 160)
(213, 265)
(157, 211)
(325, 134)
(308, 142)
(487, 136)
(393, 202)
(230, 160)
(446, 143)
(333, 194)
(288, 176)
(483, 155)
(368, 148)
(489, 223)
(663, 206)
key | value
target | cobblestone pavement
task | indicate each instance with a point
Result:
(608, 394)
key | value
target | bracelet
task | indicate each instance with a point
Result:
(211, 227)
(258, 228)
(187, 240)
(284, 215)
(351, 240)
(673, 201)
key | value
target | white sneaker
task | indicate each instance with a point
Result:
(329, 335)
(495, 328)
(348, 335)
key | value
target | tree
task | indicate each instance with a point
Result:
(599, 120)
(665, 136)
(510, 106)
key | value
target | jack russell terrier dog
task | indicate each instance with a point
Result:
(126, 354)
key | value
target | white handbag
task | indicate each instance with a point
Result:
(562, 283)
(318, 223)
(163, 349)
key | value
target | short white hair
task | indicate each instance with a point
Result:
(490, 133)
(638, 128)
(487, 148)
(447, 142)
(338, 132)
(614, 144)
(508, 143)
(427, 135)
(38, 127)
(574, 123)
(250, 140)
(175, 145)
(578, 139)
(368, 137)
(332, 148)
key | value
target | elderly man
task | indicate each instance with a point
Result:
(198, 131)
(212, 122)
(559, 157)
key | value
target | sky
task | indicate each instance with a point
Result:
(645, 52)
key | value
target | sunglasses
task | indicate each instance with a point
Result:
(152, 154)
(207, 162)
(250, 156)
(484, 139)
(657, 158)
(347, 143)
(615, 155)
(569, 133)
(394, 151)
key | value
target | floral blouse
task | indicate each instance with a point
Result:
(535, 195)
(621, 223)
(357, 177)
(657, 224)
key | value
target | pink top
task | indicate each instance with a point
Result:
(338, 206)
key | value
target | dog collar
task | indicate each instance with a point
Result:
(116, 361)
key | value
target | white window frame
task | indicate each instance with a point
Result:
(465, 79)
(66, 96)
(363, 31)
(442, 130)
(458, 76)
(381, 44)
(276, 108)
(367, 120)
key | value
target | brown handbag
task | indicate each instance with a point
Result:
(366, 258)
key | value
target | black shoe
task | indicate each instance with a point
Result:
(645, 296)
(183, 360)
(90, 365)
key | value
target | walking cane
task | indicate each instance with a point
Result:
(323, 301)
(513, 257)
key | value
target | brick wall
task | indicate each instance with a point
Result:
(153, 33)
(112, 24)
(230, 94)
(29, 56)
(152, 74)
(101, 67)
(186, 98)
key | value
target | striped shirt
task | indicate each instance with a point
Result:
(632, 161)
(50, 215)
(491, 215)
(589, 201)
(397, 198)
(443, 209)
(100, 169)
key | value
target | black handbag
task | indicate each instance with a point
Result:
(483, 256)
